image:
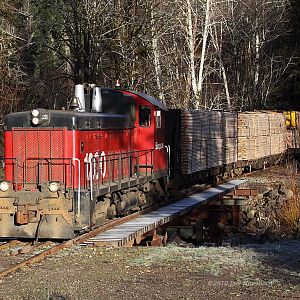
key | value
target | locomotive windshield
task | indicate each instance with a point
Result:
(115, 102)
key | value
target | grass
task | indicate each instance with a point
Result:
(210, 260)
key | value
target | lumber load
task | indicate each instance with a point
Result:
(208, 139)
(261, 134)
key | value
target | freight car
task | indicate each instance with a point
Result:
(110, 153)
(212, 145)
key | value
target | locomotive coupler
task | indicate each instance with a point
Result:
(24, 215)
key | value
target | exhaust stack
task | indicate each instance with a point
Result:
(97, 100)
(79, 93)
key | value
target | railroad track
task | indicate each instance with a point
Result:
(25, 254)
(17, 261)
(15, 252)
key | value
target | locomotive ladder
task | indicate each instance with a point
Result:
(129, 232)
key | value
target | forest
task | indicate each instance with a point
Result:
(196, 54)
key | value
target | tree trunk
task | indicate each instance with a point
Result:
(158, 74)
(191, 45)
(204, 43)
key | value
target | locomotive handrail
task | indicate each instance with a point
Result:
(78, 192)
(168, 149)
(115, 171)
(65, 161)
(118, 167)
(49, 159)
(13, 159)
(16, 164)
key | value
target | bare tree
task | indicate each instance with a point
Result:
(15, 36)
(254, 29)
(222, 54)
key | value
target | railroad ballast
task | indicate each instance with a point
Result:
(112, 152)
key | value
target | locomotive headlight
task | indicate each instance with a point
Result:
(54, 186)
(4, 186)
(35, 112)
(35, 121)
(39, 117)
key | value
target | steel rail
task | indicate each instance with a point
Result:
(77, 240)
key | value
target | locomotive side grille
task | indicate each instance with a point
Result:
(38, 155)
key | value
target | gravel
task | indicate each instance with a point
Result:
(267, 271)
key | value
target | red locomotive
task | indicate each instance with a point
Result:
(69, 170)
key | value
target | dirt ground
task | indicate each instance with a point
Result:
(267, 271)
(280, 174)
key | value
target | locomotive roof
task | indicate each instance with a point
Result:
(150, 99)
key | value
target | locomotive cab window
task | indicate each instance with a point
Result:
(145, 116)
(158, 119)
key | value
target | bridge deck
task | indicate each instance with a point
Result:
(126, 233)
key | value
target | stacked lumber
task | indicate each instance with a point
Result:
(208, 139)
(260, 134)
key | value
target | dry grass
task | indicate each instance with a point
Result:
(289, 214)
